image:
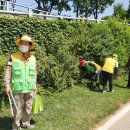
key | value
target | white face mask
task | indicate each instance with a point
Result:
(24, 48)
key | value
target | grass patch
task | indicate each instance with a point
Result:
(78, 108)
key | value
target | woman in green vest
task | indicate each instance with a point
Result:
(20, 80)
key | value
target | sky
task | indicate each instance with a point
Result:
(107, 12)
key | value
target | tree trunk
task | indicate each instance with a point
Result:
(86, 10)
(38, 4)
(59, 12)
(77, 10)
(51, 8)
(96, 10)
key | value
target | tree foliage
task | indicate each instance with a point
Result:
(48, 5)
(90, 7)
(120, 11)
(81, 7)
(128, 11)
(60, 44)
(98, 6)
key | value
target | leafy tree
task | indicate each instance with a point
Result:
(128, 11)
(85, 9)
(48, 5)
(81, 7)
(119, 10)
(43, 5)
(76, 5)
(60, 5)
(90, 7)
(98, 6)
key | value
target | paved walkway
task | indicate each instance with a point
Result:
(119, 121)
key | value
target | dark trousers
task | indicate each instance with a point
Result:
(128, 85)
(107, 77)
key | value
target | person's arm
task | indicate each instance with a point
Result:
(8, 76)
(94, 65)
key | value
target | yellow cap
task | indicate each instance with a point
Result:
(115, 56)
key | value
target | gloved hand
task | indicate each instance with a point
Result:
(96, 71)
(8, 89)
(35, 89)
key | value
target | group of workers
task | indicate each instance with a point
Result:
(107, 71)
(20, 78)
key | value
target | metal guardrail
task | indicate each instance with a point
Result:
(8, 7)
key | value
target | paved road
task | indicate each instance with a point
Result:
(122, 124)
(119, 121)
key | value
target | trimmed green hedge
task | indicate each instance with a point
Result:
(60, 45)
(3, 97)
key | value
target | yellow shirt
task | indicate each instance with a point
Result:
(110, 64)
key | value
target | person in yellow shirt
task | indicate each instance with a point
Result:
(108, 70)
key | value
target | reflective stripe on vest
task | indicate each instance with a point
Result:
(23, 75)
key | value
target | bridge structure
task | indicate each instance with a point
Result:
(11, 7)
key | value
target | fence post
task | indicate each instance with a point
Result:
(30, 12)
(3, 5)
(7, 5)
(46, 13)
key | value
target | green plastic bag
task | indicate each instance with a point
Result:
(37, 104)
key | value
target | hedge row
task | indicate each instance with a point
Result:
(60, 45)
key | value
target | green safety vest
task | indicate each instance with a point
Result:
(23, 75)
(90, 69)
